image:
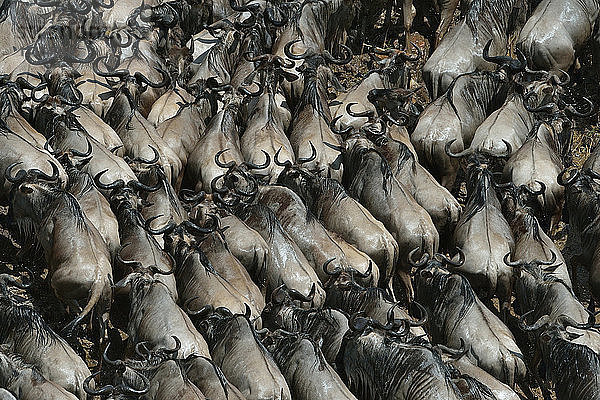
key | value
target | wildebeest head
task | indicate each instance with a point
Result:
(283, 299)
(436, 286)
(32, 192)
(59, 43)
(132, 86)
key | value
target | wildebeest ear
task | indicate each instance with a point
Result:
(125, 282)
(337, 163)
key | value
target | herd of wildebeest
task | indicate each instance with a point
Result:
(222, 219)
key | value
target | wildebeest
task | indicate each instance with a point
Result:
(299, 357)
(79, 269)
(327, 199)
(484, 236)
(462, 49)
(582, 199)
(556, 31)
(457, 315)
(381, 365)
(246, 363)
(370, 180)
(25, 381)
(326, 326)
(24, 332)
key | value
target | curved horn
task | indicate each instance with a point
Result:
(532, 192)
(214, 188)
(342, 132)
(514, 65)
(121, 73)
(300, 297)
(18, 177)
(461, 258)
(32, 61)
(586, 114)
(110, 3)
(549, 262)
(543, 320)
(511, 263)
(561, 177)
(336, 272)
(219, 163)
(461, 154)
(509, 149)
(168, 228)
(42, 175)
(454, 353)
(347, 56)
(189, 196)
(115, 363)
(366, 113)
(137, 392)
(136, 185)
(285, 64)
(203, 312)
(313, 155)
(259, 166)
(287, 49)
(152, 161)
(358, 323)
(87, 153)
(118, 184)
(270, 18)
(365, 274)
(416, 57)
(286, 163)
(423, 316)
(166, 79)
(246, 92)
(199, 230)
(333, 146)
(556, 79)
(544, 108)
(421, 262)
(96, 392)
(235, 7)
(177, 347)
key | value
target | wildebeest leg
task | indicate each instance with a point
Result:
(446, 9)
(408, 16)
(405, 279)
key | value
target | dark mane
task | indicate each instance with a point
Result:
(404, 155)
(569, 363)
(359, 157)
(19, 321)
(286, 346)
(387, 371)
(319, 322)
(312, 93)
(477, 188)
(440, 294)
(358, 298)
(490, 17)
(331, 188)
(479, 86)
